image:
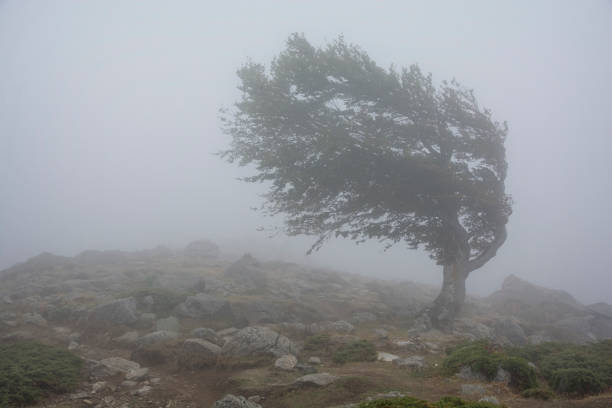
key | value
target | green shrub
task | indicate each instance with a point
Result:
(409, 402)
(360, 350)
(538, 393)
(576, 382)
(590, 365)
(319, 342)
(482, 357)
(29, 371)
(521, 375)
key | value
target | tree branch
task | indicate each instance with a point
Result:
(490, 252)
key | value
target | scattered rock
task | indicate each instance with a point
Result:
(382, 334)
(98, 386)
(470, 389)
(490, 399)
(412, 362)
(233, 401)
(139, 374)
(129, 384)
(127, 338)
(121, 311)
(208, 335)
(171, 324)
(144, 390)
(118, 364)
(254, 341)
(502, 376)
(320, 379)
(466, 373)
(388, 357)
(73, 345)
(511, 330)
(305, 368)
(206, 306)
(198, 353)
(286, 362)
(255, 398)
(247, 273)
(314, 360)
(156, 337)
(227, 332)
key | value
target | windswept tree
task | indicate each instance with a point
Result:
(349, 149)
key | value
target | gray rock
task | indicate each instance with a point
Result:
(168, 324)
(286, 362)
(340, 326)
(412, 362)
(127, 338)
(490, 399)
(305, 368)
(156, 337)
(198, 353)
(227, 332)
(119, 364)
(248, 273)
(98, 386)
(205, 306)
(381, 334)
(144, 390)
(138, 374)
(73, 345)
(471, 389)
(233, 401)
(208, 335)
(320, 379)
(121, 311)
(502, 376)
(314, 360)
(511, 330)
(388, 357)
(252, 341)
(466, 373)
(129, 384)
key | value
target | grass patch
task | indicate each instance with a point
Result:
(319, 342)
(30, 371)
(409, 402)
(360, 350)
(484, 358)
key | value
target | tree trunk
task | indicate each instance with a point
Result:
(449, 302)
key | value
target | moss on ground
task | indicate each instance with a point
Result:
(30, 371)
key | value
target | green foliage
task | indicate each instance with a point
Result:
(570, 368)
(538, 393)
(482, 357)
(164, 300)
(576, 382)
(409, 402)
(354, 150)
(318, 342)
(29, 371)
(360, 350)
(521, 375)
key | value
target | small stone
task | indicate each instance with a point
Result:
(413, 362)
(138, 374)
(78, 395)
(73, 345)
(171, 324)
(88, 402)
(490, 399)
(502, 376)
(321, 379)
(314, 360)
(35, 319)
(387, 357)
(466, 373)
(382, 334)
(98, 386)
(286, 362)
(129, 384)
(155, 380)
(144, 390)
(255, 398)
(305, 368)
(127, 338)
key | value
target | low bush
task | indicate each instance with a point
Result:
(319, 342)
(409, 402)
(360, 350)
(164, 300)
(30, 371)
(576, 382)
(484, 358)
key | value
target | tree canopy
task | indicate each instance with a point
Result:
(350, 149)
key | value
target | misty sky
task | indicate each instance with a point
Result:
(108, 125)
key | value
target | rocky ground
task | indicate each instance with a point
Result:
(186, 328)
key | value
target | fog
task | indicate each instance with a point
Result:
(109, 125)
